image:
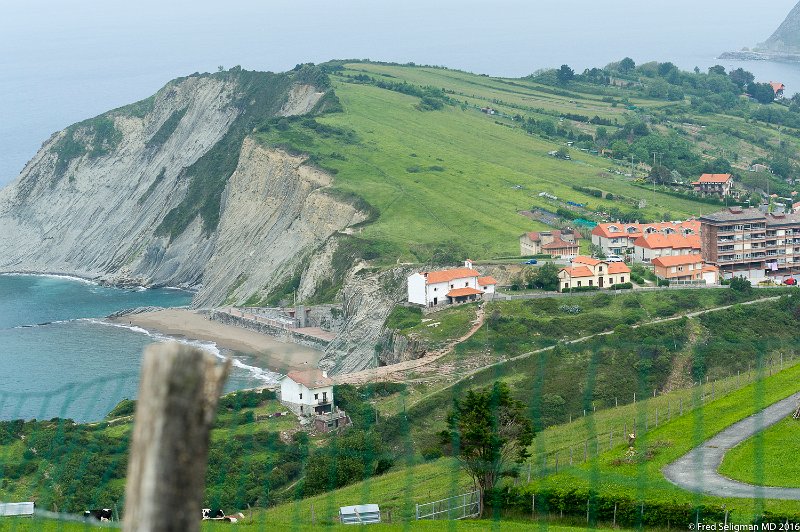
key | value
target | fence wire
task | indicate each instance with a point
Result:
(632, 407)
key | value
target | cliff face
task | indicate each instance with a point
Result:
(174, 191)
(786, 38)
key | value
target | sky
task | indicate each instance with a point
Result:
(67, 60)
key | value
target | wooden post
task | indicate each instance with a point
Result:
(178, 394)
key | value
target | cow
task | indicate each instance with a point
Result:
(104, 514)
(213, 513)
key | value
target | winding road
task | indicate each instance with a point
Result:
(697, 471)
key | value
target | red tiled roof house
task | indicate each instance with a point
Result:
(586, 271)
(457, 285)
(714, 184)
(556, 243)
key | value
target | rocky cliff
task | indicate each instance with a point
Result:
(175, 190)
(786, 38)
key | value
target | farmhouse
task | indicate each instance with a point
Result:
(457, 285)
(714, 184)
(779, 89)
(650, 246)
(685, 268)
(307, 392)
(620, 238)
(586, 271)
(556, 243)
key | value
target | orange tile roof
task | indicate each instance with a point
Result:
(486, 281)
(710, 268)
(604, 229)
(310, 378)
(662, 241)
(581, 259)
(560, 244)
(714, 178)
(445, 276)
(677, 260)
(777, 86)
(618, 267)
(579, 271)
(461, 292)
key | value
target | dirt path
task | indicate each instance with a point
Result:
(395, 371)
(387, 372)
(697, 470)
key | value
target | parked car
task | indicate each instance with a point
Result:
(531, 261)
(614, 258)
(791, 281)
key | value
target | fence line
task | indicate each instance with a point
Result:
(453, 508)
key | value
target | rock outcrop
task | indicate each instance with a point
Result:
(786, 38)
(94, 200)
(368, 298)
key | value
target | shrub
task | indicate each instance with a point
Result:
(582, 289)
(663, 282)
(622, 286)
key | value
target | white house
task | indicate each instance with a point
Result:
(307, 392)
(456, 285)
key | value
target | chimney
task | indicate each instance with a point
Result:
(468, 263)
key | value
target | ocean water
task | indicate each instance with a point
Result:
(58, 357)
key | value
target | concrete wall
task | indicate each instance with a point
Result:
(284, 335)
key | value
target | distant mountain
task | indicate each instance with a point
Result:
(786, 38)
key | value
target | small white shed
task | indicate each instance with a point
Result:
(362, 514)
(16, 509)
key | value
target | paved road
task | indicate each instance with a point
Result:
(697, 471)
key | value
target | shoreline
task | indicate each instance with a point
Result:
(96, 280)
(269, 353)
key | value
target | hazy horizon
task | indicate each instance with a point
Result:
(84, 58)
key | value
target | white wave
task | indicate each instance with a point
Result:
(268, 377)
(52, 276)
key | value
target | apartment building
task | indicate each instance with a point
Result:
(620, 238)
(751, 243)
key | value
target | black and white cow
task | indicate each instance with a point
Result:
(213, 513)
(104, 514)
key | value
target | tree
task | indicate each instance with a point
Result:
(488, 432)
(741, 284)
(546, 277)
(565, 74)
(741, 77)
(762, 92)
(660, 175)
(627, 65)
(718, 70)
(596, 251)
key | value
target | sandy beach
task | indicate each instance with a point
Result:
(271, 353)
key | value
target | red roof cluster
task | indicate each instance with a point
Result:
(635, 230)
(677, 260)
(662, 241)
(713, 178)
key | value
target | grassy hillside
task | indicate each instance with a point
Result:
(767, 459)
(452, 175)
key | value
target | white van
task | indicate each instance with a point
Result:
(614, 258)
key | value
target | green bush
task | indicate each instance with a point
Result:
(582, 289)
(622, 286)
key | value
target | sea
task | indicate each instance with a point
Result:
(62, 62)
(60, 358)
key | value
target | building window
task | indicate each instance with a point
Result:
(466, 284)
(610, 280)
(591, 282)
(566, 285)
(316, 396)
(579, 283)
(452, 286)
(301, 396)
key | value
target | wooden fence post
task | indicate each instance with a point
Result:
(178, 394)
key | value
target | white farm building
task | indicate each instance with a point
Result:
(307, 392)
(458, 285)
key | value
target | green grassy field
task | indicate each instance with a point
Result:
(767, 459)
(641, 478)
(450, 175)
(46, 525)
